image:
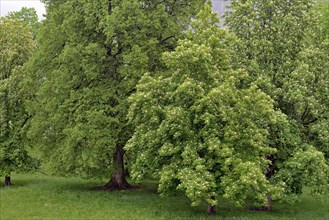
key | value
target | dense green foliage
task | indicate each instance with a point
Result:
(280, 48)
(198, 128)
(91, 55)
(323, 9)
(314, 63)
(16, 46)
(205, 128)
(28, 16)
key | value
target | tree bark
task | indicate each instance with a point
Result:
(118, 179)
(7, 181)
(269, 202)
(211, 209)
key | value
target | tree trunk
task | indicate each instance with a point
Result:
(7, 181)
(265, 208)
(118, 179)
(269, 202)
(211, 210)
(271, 168)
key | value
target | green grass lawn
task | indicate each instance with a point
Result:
(37, 196)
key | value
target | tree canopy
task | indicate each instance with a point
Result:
(218, 121)
(91, 55)
(16, 47)
(198, 128)
(27, 16)
(279, 48)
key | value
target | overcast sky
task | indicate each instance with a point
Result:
(16, 5)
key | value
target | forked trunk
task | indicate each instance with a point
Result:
(7, 181)
(118, 179)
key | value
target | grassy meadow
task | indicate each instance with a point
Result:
(37, 196)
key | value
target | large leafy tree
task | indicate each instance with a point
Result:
(91, 55)
(16, 47)
(199, 127)
(28, 16)
(277, 46)
(204, 126)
